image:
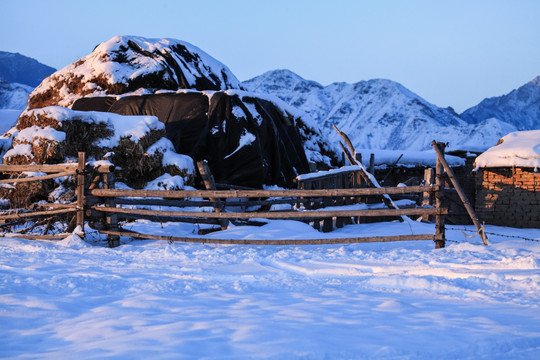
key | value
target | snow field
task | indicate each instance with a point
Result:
(79, 299)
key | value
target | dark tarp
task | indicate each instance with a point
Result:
(247, 142)
(95, 104)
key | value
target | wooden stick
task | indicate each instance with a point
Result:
(181, 194)
(277, 215)
(81, 166)
(36, 224)
(346, 138)
(36, 214)
(439, 219)
(37, 237)
(461, 193)
(348, 155)
(37, 178)
(40, 168)
(58, 206)
(273, 242)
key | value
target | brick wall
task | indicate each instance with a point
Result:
(508, 197)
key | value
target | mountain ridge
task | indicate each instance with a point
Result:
(377, 113)
(520, 107)
(21, 69)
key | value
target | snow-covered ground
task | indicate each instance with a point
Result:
(153, 299)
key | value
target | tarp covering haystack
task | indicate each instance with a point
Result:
(246, 140)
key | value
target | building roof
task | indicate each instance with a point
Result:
(517, 149)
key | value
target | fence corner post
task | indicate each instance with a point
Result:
(440, 236)
(81, 203)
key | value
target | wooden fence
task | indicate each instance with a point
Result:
(9, 217)
(104, 207)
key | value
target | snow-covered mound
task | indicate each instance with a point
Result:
(126, 64)
(13, 95)
(517, 149)
(136, 145)
(521, 107)
(376, 114)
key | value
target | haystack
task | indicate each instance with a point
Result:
(136, 145)
(126, 64)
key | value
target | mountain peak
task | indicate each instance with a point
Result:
(376, 114)
(520, 107)
(17, 68)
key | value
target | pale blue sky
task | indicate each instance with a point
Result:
(452, 53)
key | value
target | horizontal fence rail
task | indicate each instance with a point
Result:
(59, 168)
(224, 194)
(329, 241)
(311, 214)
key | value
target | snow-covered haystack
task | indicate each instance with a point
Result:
(127, 64)
(247, 140)
(136, 145)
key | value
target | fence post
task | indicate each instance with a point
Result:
(210, 184)
(81, 168)
(439, 181)
(111, 219)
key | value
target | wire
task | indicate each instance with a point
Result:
(497, 234)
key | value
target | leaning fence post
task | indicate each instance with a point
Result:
(439, 181)
(462, 196)
(81, 167)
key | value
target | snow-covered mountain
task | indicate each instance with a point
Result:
(377, 114)
(19, 75)
(14, 95)
(17, 68)
(520, 107)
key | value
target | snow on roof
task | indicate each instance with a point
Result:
(383, 158)
(517, 149)
(409, 159)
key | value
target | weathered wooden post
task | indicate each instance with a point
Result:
(81, 169)
(210, 184)
(440, 236)
(461, 193)
(427, 196)
(111, 219)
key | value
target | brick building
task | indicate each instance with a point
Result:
(508, 181)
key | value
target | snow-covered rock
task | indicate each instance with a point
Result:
(127, 64)
(520, 107)
(376, 114)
